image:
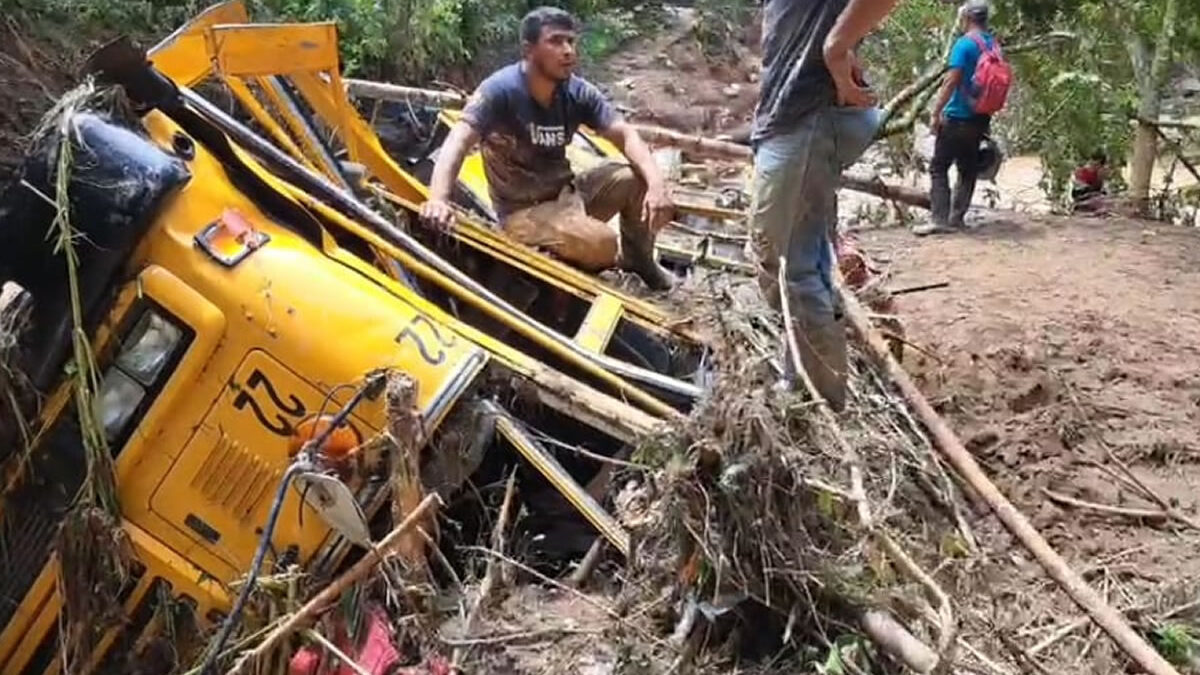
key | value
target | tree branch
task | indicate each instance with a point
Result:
(921, 89)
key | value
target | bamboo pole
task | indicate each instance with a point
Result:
(330, 594)
(715, 149)
(952, 448)
(394, 92)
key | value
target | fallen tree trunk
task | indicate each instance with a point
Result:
(888, 191)
(952, 448)
(384, 91)
(715, 149)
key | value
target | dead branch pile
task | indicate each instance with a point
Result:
(750, 546)
(16, 396)
(756, 516)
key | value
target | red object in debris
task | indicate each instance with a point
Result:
(440, 665)
(377, 655)
(307, 661)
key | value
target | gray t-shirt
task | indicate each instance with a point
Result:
(524, 145)
(795, 80)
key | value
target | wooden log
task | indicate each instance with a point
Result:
(956, 453)
(694, 145)
(888, 191)
(715, 149)
(384, 91)
(895, 639)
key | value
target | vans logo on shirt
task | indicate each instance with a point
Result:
(547, 136)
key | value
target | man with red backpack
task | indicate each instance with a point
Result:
(975, 88)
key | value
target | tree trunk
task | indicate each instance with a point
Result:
(1150, 79)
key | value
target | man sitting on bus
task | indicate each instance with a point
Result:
(525, 116)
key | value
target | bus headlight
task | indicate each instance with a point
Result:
(116, 402)
(148, 347)
(144, 353)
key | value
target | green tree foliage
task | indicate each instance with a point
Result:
(1073, 96)
(401, 40)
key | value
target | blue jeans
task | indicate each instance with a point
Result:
(794, 208)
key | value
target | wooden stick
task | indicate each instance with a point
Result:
(917, 289)
(490, 575)
(580, 576)
(952, 448)
(330, 594)
(1152, 514)
(922, 659)
(341, 656)
(393, 92)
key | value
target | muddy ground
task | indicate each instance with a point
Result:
(1056, 338)
(39, 61)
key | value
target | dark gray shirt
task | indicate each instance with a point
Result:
(524, 145)
(795, 80)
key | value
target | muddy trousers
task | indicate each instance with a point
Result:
(957, 144)
(574, 227)
(793, 213)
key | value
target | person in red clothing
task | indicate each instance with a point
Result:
(1089, 179)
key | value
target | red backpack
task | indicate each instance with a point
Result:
(993, 77)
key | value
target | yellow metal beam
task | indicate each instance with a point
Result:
(183, 55)
(599, 324)
(263, 117)
(262, 50)
(549, 467)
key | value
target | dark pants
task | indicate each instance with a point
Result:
(1081, 193)
(957, 144)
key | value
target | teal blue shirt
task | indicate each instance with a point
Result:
(963, 56)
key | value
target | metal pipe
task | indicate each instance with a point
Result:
(451, 278)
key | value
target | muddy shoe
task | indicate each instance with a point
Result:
(656, 277)
(823, 355)
(930, 227)
(645, 266)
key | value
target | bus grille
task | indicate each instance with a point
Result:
(33, 511)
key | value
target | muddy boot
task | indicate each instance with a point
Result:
(932, 227)
(638, 257)
(823, 355)
(961, 202)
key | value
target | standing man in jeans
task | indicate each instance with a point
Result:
(958, 127)
(815, 117)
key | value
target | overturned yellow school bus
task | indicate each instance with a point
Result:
(285, 77)
(234, 300)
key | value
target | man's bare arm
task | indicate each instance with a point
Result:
(658, 207)
(458, 143)
(952, 81)
(635, 149)
(856, 20)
